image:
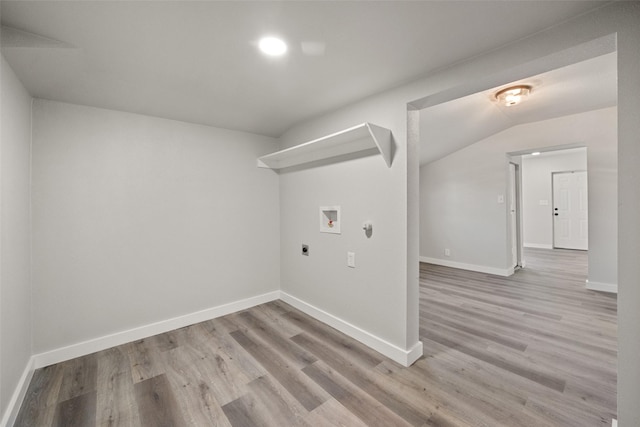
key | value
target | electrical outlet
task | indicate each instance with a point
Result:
(351, 259)
(305, 250)
(447, 252)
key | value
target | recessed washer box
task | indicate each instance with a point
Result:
(330, 219)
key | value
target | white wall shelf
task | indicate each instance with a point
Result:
(362, 137)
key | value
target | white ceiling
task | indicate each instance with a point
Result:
(584, 86)
(196, 61)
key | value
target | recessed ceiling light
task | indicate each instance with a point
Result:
(513, 95)
(272, 46)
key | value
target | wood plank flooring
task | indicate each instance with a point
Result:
(534, 349)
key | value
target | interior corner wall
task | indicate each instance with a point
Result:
(372, 296)
(558, 45)
(139, 220)
(537, 197)
(460, 211)
(619, 18)
(15, 244)
(459, 193)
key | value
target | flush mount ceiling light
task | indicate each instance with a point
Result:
(272, 46)
(513, 95)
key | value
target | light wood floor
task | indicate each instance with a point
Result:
(535, 349)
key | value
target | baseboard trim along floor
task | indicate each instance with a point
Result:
(504, 272)
(123, 337)
(393, 352)
(537, 348)
(602, 287)
(102, 343)
(19, 394)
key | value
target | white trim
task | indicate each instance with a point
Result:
(399, 355)
(602, 287)
(506, 272)
(402, 356)
(538, 245)
(614, 423)
(13, 407)
(97, 344)
(413, 354)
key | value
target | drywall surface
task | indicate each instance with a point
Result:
(138, 220)
(373, 295)
(459, 207)
(460, 211)
(628, 40)
(537, 191)
(523, 58)
(614, 27)
(15, 249)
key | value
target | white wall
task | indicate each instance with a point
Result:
(485, 71)
(138, 219)
(458, 193)
(546, 50)
(459, 208)
(15, 243)
(628, 39)
(372, 296)
(537, 189)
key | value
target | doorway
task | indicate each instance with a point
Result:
(466, 178)
(570, 213)
(547, 189)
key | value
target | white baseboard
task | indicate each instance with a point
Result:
(393, 352)
(506, 272)
(602, 287)
(102, 343)
(537, 245)
(402, 356)
(13, 407)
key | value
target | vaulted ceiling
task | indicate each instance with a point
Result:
(584, 86)
(197, 61)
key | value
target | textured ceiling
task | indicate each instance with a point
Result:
(197, 61)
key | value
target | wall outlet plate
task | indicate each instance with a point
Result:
(351, 259)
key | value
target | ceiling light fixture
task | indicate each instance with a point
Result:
(535, 153)
(272, 46)
(513, 95)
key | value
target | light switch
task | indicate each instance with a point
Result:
(351, 259)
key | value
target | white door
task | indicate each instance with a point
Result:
(513, 213)
(570, 212)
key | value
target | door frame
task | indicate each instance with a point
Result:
(515, 191)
